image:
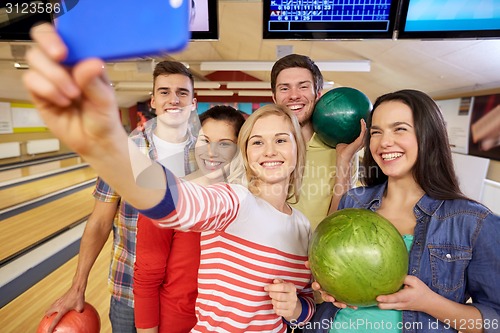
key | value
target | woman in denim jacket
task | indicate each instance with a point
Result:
(454, 241)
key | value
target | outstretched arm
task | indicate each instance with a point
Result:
(79, 107)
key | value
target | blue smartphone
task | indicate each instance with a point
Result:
(122, 29)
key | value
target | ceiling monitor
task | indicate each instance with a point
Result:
(462, 19)
(204, 20)
(329, 19)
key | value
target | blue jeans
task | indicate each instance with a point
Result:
(121, 316)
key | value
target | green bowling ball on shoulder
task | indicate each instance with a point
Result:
(337, 114)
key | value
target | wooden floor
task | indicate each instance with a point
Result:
(40, 168)
(23, 314)
(38, 223)
(21, 231)
(34, 189)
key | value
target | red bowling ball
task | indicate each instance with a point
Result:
(87, 321)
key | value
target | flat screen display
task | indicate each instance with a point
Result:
(328, 19)
(427, 19)
(204, 20)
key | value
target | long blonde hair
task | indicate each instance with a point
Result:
(237, 172)
(296, 176)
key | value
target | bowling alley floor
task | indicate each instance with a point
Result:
(43, 210)
(25, 312)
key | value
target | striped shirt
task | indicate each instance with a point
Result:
(120, 279)
(245, 244)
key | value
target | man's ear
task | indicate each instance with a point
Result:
(152, 102)
(195, 104)
(320, 93)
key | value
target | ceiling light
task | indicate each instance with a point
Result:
(20, 65)
(147, 86)
(206, 85)
(328, 84)
(324, 66)
(344, 66)
(249, 85)
(125, 66)
(215, 93)
(236, 65)
(266, 93)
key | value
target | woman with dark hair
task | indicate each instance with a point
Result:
(433, 169)
(453, 241)
(166, 265)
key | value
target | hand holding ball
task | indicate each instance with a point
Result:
(337, 115)
(88, 321)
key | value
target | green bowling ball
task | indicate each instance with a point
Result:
(337, 114)
(356, 254)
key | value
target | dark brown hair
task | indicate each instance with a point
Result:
(433, 170)
(224, 113)
(172, 67)
(293, 61)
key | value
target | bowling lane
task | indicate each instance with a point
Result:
(25, 312)
(26, 229)
(31, 190)
(39, 169)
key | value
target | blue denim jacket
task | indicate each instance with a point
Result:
(456, 252)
